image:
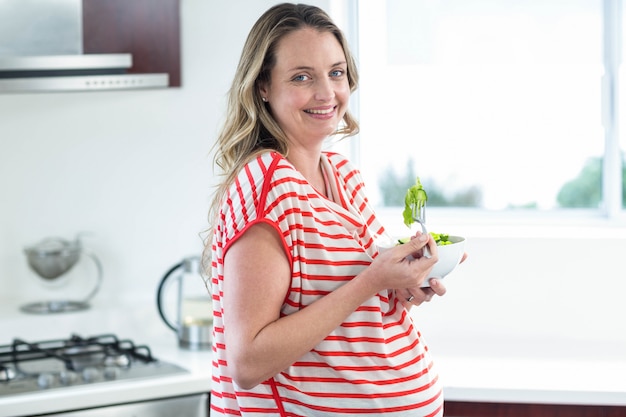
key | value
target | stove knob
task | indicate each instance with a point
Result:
(6, 373)
(45, 380)
(121, 360)
(68, 377)
(111, 372)
(90, 374)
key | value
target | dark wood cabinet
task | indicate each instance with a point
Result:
(148, 29)
(476, 409)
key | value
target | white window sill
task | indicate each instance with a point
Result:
(510, 224)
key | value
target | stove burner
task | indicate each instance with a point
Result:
(27, 366)
(81, 357)
(78, 353)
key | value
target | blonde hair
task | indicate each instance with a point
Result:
(250, 128)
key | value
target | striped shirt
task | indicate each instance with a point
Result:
(376, 362)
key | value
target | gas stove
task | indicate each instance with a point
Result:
(26, 367)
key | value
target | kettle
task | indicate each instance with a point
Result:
(194, 312)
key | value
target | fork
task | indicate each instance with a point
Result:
(419, 216)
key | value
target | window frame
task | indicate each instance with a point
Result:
(516, 221)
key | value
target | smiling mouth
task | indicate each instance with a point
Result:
(321, 111)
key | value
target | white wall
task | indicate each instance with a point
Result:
(130, 167)
(133, 168)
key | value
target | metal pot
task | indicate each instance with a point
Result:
(52, 258)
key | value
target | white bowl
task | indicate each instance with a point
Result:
(449, 257)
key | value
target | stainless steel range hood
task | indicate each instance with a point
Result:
(41, 50)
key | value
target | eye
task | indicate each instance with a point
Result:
(301, 77)
(337, 73)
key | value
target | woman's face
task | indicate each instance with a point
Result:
(308, 91)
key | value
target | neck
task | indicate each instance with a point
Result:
(309, 165)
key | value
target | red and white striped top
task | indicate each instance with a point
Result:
(376, 362)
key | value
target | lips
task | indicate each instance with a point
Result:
(321, 111)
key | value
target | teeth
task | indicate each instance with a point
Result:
(320, 111)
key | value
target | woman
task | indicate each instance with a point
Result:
(309, 318)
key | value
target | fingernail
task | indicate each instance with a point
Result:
(423, 238)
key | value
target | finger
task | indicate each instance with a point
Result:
(432, 246)
(405, 294)
(437, 286)
(428, 293)
(412, 246)
(464, 257)
(420, 295)
(430, 242)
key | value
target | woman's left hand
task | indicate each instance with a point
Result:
(410, 297)
(415, 296)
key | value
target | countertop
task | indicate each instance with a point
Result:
(135, 320)
(544, 380)
(567, 381)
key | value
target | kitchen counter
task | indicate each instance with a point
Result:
(532, 380)
(135, 320)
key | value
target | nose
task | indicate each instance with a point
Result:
(324, 90)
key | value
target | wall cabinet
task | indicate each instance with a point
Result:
(148, 29)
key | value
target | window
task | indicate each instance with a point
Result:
(497, 105)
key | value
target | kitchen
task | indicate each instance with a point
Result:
(131, 169)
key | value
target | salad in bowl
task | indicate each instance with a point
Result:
(450, 248)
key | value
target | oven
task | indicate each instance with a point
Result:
(96, 376)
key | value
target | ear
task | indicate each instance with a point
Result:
(263, 90)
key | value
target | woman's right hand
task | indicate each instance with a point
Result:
(404, 266)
